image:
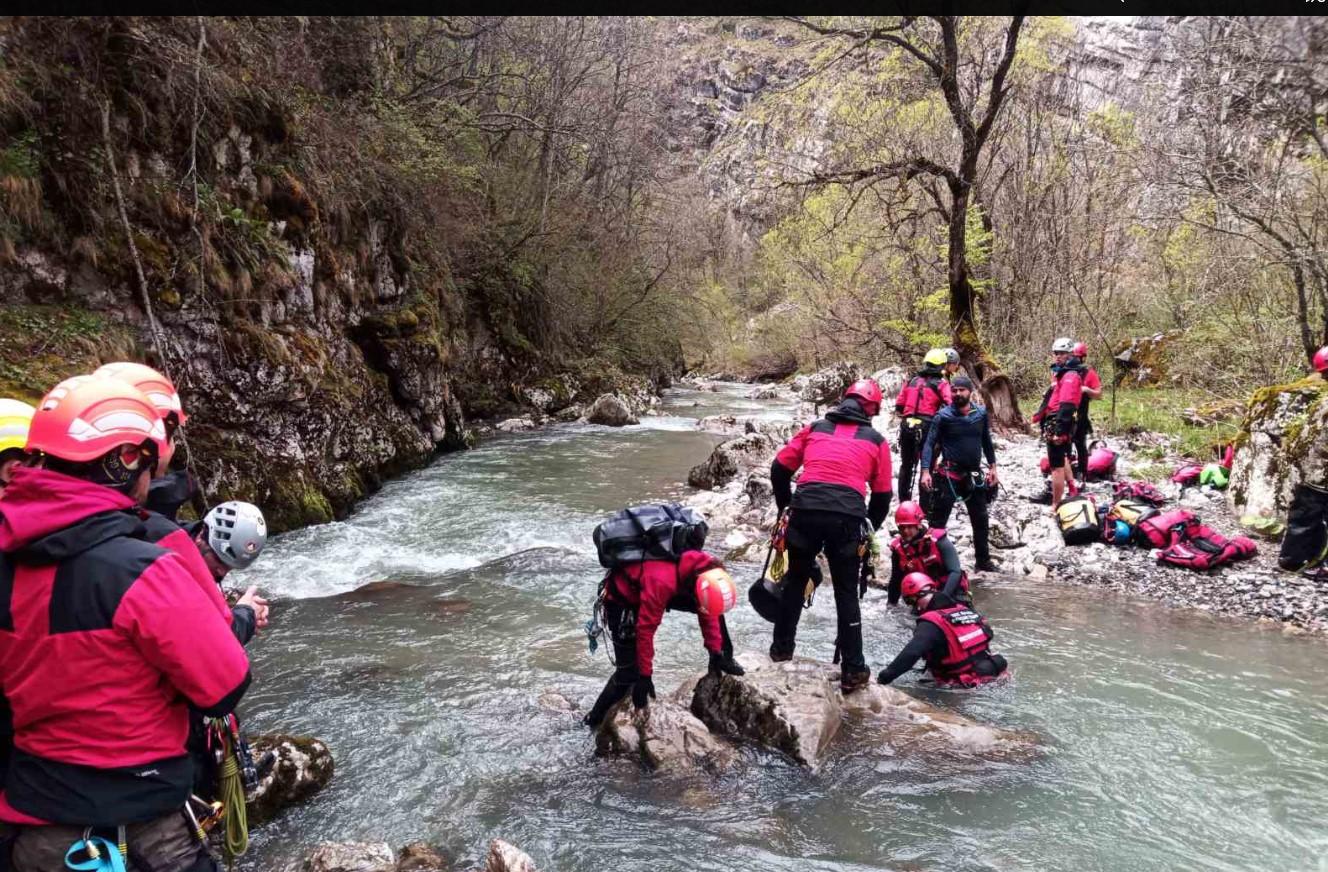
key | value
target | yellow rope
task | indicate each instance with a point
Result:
(231, 794)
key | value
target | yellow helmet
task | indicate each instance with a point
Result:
(15, 418)
(935, 357)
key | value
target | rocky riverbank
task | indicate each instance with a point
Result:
(735, 492)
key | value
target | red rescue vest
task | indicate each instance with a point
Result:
(922, 396)
(923, 555)
(966, 638)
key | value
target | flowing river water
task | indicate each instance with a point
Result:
(1173, 740)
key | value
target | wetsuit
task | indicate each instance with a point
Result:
(930, 643)
(1084, 428)
(918, 402)
(840, 456)
(962, 438)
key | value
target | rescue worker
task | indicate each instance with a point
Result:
(15, 417)
(959, 438)
(107, 752)
(1091, 390)
(1060, 405)
(929, 551)
(950, 638)
(841, 456)
(172, 485)
(636, 596)
(951, 362)
(920, 398)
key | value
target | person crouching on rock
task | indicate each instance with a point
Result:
(107, 641)
(960, 436)
(950, 638)
(918, 549)
(841, 456)
(636, 596)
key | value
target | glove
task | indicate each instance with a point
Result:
(644, 687)
(720, 663)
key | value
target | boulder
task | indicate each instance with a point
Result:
(611, 410)
(796, 708)
(731, 458)
(515, 425)
(764, 392)
(727, 425)
(666, 737)
(891, 379)
(1143, 359)
(421, 857)
(1283, 442)
(828, 385)
(504, 857)
(351, 857)
(303, 767)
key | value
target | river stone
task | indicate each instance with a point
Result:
(350, 857)
(792, 707)
(732, 457)
(421, 857)
(505, 857)
(907, 723)
(611, 410)
(515, 425)
(304, 766)
(666, 736)
(764, 392)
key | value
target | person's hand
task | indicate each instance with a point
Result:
(643, 688)
(925, 481)
(991, 475)
(257, 603)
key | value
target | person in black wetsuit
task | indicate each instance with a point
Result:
(950, 637)
(961, 435)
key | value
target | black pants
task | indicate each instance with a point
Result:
(839, 535)
(1306, 536)
(945, 492)
(1082, 431)
(911, 440)
(620, 621)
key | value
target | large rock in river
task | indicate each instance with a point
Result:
(1283, 442)
(505, 857)
(827, 386)
(796, 708)
(753, 450)
(303, 767)
(666, 737)
(611, 410)
(351, 857)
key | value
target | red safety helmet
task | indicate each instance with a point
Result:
(1080, 350)
(1321, 360)
(159, 389)
(715, 592)
(83, 418)
(868, 393)
(909, 512)
(917, 584)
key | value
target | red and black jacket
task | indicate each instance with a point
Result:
(1060, 404)
(105, 639)
(923, 395)
(649, 586)
(841, 456)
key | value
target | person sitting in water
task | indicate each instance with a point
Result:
(950, 637)
(636, 596)
(929, 551)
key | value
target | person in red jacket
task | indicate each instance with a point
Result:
(636, 596)
(1091, 390)
(841, 456)
(1060, 406)
(919, 399)
(105, 641)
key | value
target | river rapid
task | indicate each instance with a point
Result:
(1173, 740)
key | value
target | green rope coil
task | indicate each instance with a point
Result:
(236, 840)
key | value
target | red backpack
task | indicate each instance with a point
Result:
(1205, 548)
(1165, 529)
(1139, 490)
(1187, 474)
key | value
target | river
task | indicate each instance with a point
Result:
(1173, 740)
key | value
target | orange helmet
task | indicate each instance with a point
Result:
(158, 388)
(83, 418)
(715, 592)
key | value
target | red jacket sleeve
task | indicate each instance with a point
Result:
(882, 479)
(1092, 382)
(790, 456)
(692, 564)
(947, 396)
(176, 629)
(656, 591)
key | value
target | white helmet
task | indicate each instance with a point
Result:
(951, 356)
(237, 532)
(1063, 344)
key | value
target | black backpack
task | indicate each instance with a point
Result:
(651, 532)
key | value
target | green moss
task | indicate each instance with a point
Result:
(295, 503)
(43, 345)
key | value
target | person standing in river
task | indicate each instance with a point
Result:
(950, 638)
(959, 438)
(635, 597)
(1091, 390)
(919, 399)
(841, 457)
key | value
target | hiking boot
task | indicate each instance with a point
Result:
(852, 681)
(780, 656)
(988, 565)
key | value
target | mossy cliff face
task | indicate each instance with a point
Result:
(1283, 442)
